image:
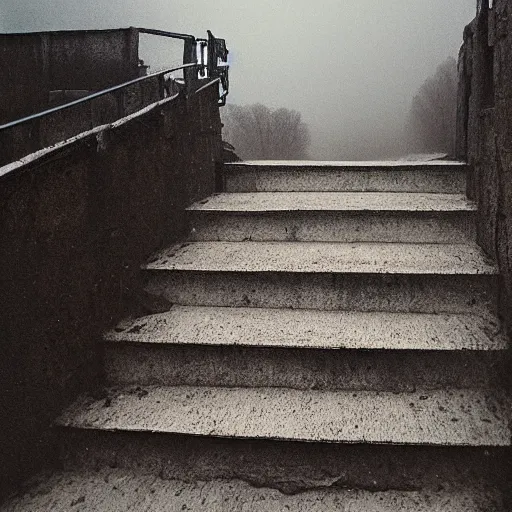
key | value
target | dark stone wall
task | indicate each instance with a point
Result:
(484, 133)
(92, 60)
(75, 226)
(32, 65)
(21, 140)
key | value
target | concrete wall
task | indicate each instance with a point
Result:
(75, 226)
(21, 140)
(484, 132)
(32, 65)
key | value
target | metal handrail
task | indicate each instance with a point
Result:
(164, 33)
(92, 96)
(189, 49)
(209, 51)
(190, 62)
(205, 86)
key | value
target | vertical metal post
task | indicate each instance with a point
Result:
(190, 57)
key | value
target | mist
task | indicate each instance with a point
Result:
(350, 68)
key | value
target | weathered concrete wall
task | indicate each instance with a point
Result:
(23, 139)
(485, 132)
(75, 225)
(34, 64)
(92, 60)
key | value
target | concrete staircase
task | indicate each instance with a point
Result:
(330, 344)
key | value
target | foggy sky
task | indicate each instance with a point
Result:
(350, 68)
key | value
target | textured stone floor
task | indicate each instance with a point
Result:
(121, 491)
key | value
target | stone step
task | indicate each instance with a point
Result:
(451, 417)
(291, 467)
(355, 370)
(115, 490)
(289, 176)
(334, 217)
(325, 258)
(244, 347)
(311, 329)
(295, 440)
(367, 202)
(429, 278)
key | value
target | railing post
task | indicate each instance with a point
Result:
(190, 57)
(217, 50)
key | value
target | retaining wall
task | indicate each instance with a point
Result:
(484, 133)
(76, 224)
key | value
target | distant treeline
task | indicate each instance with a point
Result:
(432, 118)
(258, 132)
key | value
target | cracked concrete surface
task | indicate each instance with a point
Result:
(115, 490)
(287, 465)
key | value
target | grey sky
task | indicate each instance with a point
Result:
(350, 68)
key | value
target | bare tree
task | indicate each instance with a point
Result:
(258, 132)
(432, 118)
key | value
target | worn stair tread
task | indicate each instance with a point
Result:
(452, 417)
(311, 329)
(370, 164)
(325, 257)
(262, 202)
(115, 489)
(399, 177)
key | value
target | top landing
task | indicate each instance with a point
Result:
(435, 176)
(354, 164)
